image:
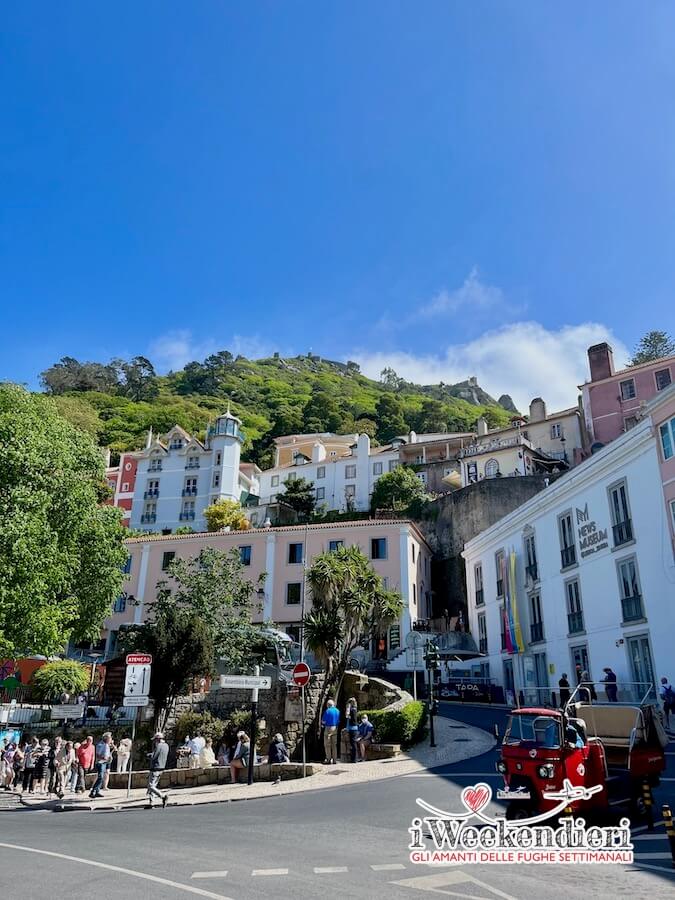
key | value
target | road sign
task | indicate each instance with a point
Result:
(67, 711)
(301, 674)
(137, 680)
(139, 659)
(247, 682)
(140, 700)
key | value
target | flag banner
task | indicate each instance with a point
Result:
(508, 624)
(518, 641)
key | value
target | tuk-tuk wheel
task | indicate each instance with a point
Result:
(637, 807)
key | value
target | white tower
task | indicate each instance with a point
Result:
(226, 438)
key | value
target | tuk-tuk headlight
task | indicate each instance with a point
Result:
(501, 767)
(545, 771)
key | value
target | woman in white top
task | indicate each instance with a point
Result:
(123, 754)
(207, 757)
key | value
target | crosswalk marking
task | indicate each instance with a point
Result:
(269, 872)
(388, 867)
(437, 883)
(329, 870)
(653, 836)
(218, 874)
(640, 856)
(645, 827)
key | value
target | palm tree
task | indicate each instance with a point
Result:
(349, 604)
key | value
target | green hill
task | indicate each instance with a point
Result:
(120, 400)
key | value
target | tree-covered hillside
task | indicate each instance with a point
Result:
(119, 401)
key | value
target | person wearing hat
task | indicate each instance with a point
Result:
(158, 758)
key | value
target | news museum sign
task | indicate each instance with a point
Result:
(592, 537)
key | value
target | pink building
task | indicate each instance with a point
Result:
(662, 412)
(613, 401)
(396, 548)
(122, 481)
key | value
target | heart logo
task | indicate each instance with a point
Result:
(476, 797)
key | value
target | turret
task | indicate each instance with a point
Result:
(225, 440)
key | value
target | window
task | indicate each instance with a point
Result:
(412, 548)
(126, 568)
(167, 558)
(377, 468)
(155, 465)
(320, 471)
(192, 462)
(295, 554)
(219, 458)
(176, 444)
(556, 431)
(667, 431)
(422, 477)
(125, 487)
(502, 626)
(491, 468)
(500, 568)
(293, 593)
(482, 633)
(350, 491)
(333, 453)
(216, 479)
(152, 489)
(536, 621)
(291, 476)
(531, 568)
(335, 545)
(378, 548)
(622, 528)
(254, 518)
(273, 498)
(245, 555)
(190, 489)
(120, 604)
(629, 590)
(575, 615)
(414, 594)
(321, 493)
(350, 471)
(629, 422)
(149, 513)
(627, 389)
(188, 511)
(275, 480)
(478, 582)
(393, 464)
(662, 379)
(568, 550)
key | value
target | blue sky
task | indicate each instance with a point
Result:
(455, 188)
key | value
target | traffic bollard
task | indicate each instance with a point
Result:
(648, 802)
(670, 830)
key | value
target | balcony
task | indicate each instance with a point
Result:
(536, 632)
(192, 465)
(147, 518)
(480, 598)
(500, 587)
(575, 622)
(568, 556)
(186, 516)
(153, 492)
(631, 608)
(155, 467)
(622, 532)
(482, 645)
(532, 571)
(189, 492)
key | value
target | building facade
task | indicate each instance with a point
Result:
(396, 549)
(594, 579)
(613, 401)
(121, 480)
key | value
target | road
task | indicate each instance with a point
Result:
(343, 842)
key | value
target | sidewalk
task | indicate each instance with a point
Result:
(455, 742)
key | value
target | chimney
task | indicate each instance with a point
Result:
(412, 437)
(148, 443)
(537, 410)
(363, 447)
(482, 427)
(600, 361)
(318, 452)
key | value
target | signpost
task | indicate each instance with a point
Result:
(254, 683)
(300, 677)
(136, 693)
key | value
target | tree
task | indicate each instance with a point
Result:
(390, 379)
(299, 495)
(182, 649)
(226, 514)
(396, 490)
(63, 676)
(61, 553)
(322, 413)
(390, 421)
(79, 413)
(140, 379)
(71, 375)
(653, 345)
(432, 417)
(349, 605)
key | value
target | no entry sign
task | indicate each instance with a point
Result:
(301, 674)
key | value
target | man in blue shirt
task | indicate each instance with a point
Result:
(103, 757)
(365, 738)
(330, 721)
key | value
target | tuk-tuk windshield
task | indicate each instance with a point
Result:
(540, 731)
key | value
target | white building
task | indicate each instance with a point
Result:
(595, 576)
(178, 477)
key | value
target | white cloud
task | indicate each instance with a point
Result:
(173, 350)
(473, 294)
(523, 359)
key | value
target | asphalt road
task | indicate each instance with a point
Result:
(342, 842)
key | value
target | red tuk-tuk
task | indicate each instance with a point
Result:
(613, 746)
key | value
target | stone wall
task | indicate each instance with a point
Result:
(374, 693)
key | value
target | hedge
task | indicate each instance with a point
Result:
(405, 726)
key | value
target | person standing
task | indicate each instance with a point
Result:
(64, 764)
(41, 777)
(103, 756)
(123, 754)
(610, 685)
(53, 766)
(564, 686)
(196, 746)
(667, 695)
(330, 721)
(158, 758)
(18, 762)
(241, 755)
(352, 720)
(74, 767)
(86, 754)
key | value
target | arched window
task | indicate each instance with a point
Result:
(491, 468)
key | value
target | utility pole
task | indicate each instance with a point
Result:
(431, 657)
(254, 728)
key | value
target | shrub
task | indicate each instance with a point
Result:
(405, 726)
(63, 676)
(192, 723)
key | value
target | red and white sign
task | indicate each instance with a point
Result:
(139, 659)
(301, 674)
